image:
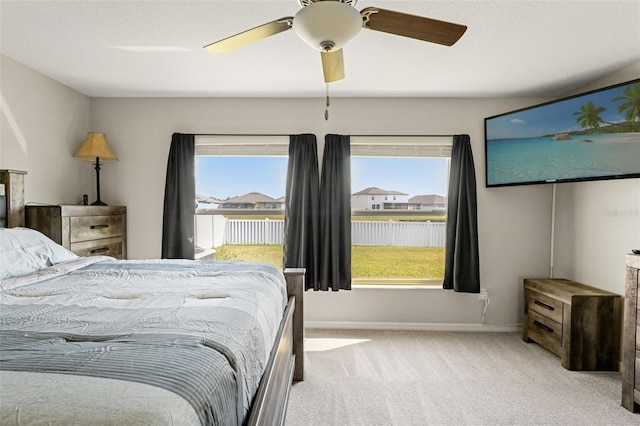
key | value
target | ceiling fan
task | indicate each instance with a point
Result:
(327, 25)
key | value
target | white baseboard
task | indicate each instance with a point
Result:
(409, 326)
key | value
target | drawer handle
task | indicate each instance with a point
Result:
(544, 305)
(542, 326)
(99, 250)
(98, 226)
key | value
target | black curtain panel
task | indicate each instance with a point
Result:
(179, 199)
(302, 208)
(462, 264)
(335, 216)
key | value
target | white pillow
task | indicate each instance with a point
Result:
(24, 250)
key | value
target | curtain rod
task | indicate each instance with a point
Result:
(241, 134)
(359, 136)
(402, 136)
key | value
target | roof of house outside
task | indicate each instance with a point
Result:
(428, 199)
(377, 191)
(207, 200)
(252, 197)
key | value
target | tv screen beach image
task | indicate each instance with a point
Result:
(587, 137)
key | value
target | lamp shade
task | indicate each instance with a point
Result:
(327, 25)
(95, 146)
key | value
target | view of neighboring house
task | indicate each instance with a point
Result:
(203, 202)
(379, 199)
(368, 199)
(252, 200)
(428, 202)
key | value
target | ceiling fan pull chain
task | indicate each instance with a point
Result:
(326, 110)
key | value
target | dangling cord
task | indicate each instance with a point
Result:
(326, 110)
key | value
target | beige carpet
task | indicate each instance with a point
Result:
(440, 378)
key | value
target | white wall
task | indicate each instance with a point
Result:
(598, 223)
(43, 125)
(514, 221)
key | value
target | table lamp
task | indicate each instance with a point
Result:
(95, 146)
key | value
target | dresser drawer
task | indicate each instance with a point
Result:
(545, 331)
(86, 228)
(578, 322)
(545, 306)
(102, 247)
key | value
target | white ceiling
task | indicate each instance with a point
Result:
(512, 48)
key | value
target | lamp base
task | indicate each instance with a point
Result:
(98, 203)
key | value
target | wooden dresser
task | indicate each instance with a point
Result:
(85, 230)
(631, 337)
(580, 324)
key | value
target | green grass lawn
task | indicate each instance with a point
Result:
(366, 261)
(397, 262)
(265, 253)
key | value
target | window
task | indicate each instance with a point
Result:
(399, 187)
(240, 187)
(399, 241)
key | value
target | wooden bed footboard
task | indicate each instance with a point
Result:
(286, 362)
(295, 288)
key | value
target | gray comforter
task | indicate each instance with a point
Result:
(200, 330)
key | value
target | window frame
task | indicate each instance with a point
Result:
(229, 145)
(408, 146)
(403, 146)
(245, 145)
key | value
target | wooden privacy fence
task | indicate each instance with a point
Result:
(363, 233)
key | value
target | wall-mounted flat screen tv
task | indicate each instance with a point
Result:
(591, 136)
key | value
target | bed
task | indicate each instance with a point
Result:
(86, 340)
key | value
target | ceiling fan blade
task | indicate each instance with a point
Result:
(416, 27)
(250, 36)
(332, 65)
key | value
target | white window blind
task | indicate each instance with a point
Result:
(401, 146)
(240, 145)
(364, 146)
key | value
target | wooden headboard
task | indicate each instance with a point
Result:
(11, 198)
(3, 207)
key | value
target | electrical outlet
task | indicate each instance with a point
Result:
(483, 295)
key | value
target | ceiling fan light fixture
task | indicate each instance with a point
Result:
(327, 25)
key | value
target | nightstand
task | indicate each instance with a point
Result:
(85, 230)
(579, 323)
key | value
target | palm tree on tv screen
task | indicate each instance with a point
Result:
(631, 103)
(589, 116)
